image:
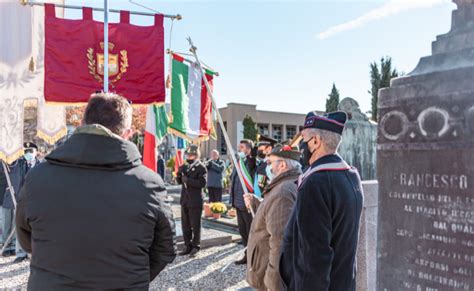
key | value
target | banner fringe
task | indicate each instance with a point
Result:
(187, 138)
(13, 157)
(52, 139)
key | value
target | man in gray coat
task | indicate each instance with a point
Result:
(92, 215)
(215, 174)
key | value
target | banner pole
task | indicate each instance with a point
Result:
(219, 118)
(12, 193)
(106, 46)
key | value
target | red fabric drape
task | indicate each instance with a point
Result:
(74, 58)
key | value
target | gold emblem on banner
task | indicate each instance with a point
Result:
(118, 63)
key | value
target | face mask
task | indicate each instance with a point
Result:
(189, 161)
(29, 157)
(261, 154)
(269, 173)
(306, 155)
(241, 154)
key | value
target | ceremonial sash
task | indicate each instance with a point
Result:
(242, 168)
(341, 166)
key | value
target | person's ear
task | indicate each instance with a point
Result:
(127, 134)
(317, 144)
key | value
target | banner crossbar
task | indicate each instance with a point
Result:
(34, 3)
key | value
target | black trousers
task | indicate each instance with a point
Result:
(215, 194)
(244, 220)
(191, 225)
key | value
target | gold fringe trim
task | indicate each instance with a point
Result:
(11, 158)
(187, 138)
(52, 139)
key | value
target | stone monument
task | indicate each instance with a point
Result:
(359, 140)
(426, 167)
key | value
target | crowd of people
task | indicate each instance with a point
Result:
(93, 217)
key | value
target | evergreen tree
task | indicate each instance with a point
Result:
(380, 79)
(250, 128)
(333, 100)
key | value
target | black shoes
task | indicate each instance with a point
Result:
(194, 252)
(242, 261)
(20, 259)
(187, 251)
(8, 253)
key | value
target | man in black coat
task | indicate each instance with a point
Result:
(193, 176)
(320, 241)
(17, 172)
(247, 154)
(94, 217)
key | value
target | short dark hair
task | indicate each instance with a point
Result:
(247, 142)
(110, 110)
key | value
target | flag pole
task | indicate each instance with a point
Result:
(106, 46)
(12, 193)
(219, 118)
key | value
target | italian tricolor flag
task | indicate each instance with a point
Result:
(155, 129)
(191, 107)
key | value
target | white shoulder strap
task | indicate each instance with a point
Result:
(341, 166)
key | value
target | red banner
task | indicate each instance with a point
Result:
(74, 58)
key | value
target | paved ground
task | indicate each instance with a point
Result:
(200, 273)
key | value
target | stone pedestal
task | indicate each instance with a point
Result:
(367, 249)
(426, 168)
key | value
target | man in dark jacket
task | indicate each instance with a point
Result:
(92, 214)
(17, 173)
(215, 174)
(31, 160)
(193, 176)
(244, 217)
(320, 241)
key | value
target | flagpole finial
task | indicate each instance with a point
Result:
(191, 44)
(23, 2)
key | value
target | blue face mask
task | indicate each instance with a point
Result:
(269, 173)
(241, 155)
(29, 157)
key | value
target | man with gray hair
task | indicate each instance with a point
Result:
(320, 241)
(268, 226)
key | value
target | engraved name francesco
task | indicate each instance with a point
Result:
(429, 180)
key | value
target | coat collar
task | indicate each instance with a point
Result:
(333, 158)
(288, 175)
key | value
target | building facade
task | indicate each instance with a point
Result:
(278, 125)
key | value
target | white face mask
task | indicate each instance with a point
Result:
(241, 155)
(269, 173)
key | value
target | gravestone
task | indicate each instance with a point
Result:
(426, 167)
(359, 139)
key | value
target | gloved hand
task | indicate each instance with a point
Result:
(184, 179)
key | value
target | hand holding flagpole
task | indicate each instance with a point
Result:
(219, 118)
